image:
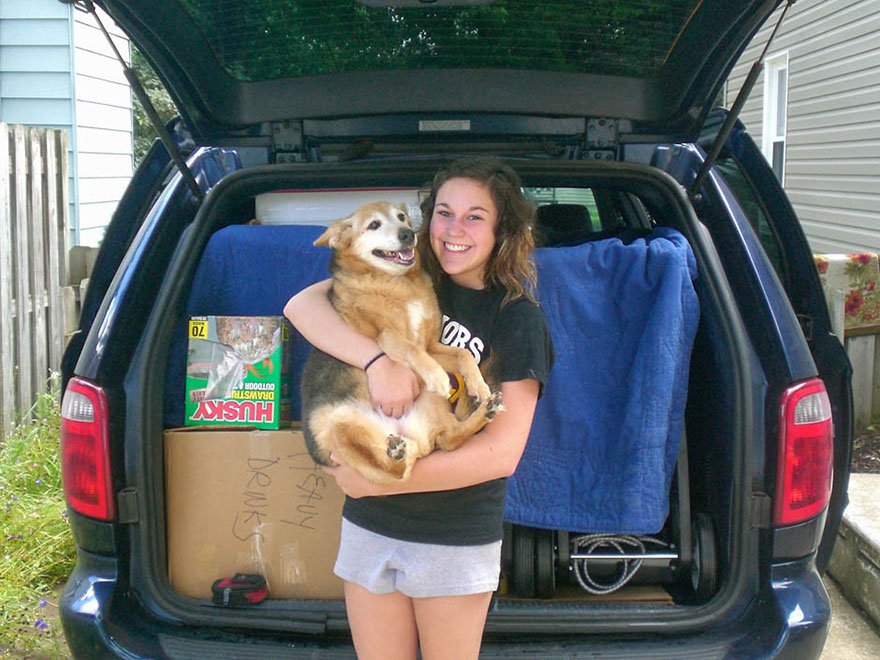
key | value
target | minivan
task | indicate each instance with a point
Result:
(700, 410)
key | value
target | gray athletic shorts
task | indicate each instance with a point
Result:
(383, 565)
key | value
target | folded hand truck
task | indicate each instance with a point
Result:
(684, 553)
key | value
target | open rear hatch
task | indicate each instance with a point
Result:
(235, 68)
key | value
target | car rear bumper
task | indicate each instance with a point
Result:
(789, 622)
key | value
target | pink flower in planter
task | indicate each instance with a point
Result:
(854, 301)
(863, 259)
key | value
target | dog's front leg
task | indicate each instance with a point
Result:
(399, 349)
(460, 360)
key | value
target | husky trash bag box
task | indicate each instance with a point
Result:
(238, 371)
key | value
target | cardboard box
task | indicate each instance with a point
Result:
(250, 501)
(238, 371)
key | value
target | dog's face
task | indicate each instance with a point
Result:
(378, 233)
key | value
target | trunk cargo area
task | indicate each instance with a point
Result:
(635, 441)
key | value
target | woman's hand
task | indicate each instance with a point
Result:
(351, 482)
(393, 386)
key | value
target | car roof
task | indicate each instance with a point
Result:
(232, 66)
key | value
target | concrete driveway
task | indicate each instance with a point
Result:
(852, 635)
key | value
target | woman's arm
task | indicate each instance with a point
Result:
(392, 386)
(492, 453)
(311, 312)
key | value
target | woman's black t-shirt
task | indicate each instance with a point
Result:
(517, 338)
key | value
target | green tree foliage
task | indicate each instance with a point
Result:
(144, 133)
(266, 39)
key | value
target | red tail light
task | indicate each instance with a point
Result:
(806, 452)
(85, 450)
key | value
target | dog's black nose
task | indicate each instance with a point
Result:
(406, 236)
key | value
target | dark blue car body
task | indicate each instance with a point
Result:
(764, 330)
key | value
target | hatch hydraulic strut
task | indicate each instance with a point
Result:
(139, 91)
(735, 109)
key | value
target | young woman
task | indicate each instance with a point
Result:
(420, 561)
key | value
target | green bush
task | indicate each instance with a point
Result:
(37, 546)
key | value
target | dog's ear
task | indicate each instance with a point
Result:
(336, 234)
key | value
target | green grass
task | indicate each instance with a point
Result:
(37, 546)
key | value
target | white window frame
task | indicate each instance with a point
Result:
(775, 123)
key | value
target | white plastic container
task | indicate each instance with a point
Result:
(322, 207)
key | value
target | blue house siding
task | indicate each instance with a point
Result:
(35, 59)
(23, 84)
(47, 31)
(56, 70)
(36, 81)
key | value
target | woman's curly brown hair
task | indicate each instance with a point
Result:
(510, 265)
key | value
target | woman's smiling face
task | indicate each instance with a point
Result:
(463, 230)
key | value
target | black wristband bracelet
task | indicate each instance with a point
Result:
(373, 359)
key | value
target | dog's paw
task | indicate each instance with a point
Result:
(396, 449)
(482, 392)
(476, 386)
(494, 405)
(438, 382)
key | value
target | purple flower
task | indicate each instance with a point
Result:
(41, 624)
(38, 481)
(43, 602)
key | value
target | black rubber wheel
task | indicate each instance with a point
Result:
(545, 564)
(563, 557)
(704, 569)
(524, 561)
(507, 549)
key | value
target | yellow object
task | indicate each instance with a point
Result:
(456, 387)
(198, 329)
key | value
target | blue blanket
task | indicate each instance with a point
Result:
(605, 437)
(247, 271)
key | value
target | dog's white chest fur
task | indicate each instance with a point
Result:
(416, 313)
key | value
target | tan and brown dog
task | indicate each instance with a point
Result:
(380, 290)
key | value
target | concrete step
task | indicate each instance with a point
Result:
(855, 562)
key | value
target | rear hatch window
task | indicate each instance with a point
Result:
(271, 39)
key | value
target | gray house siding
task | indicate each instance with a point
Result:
(832, 132)
(56, 70)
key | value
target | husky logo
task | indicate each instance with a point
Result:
(218, 410)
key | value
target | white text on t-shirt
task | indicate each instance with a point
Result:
(455, 334)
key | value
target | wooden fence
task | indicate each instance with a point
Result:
(33, 263)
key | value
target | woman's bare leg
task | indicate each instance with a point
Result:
(383, 625)
(451, 627)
